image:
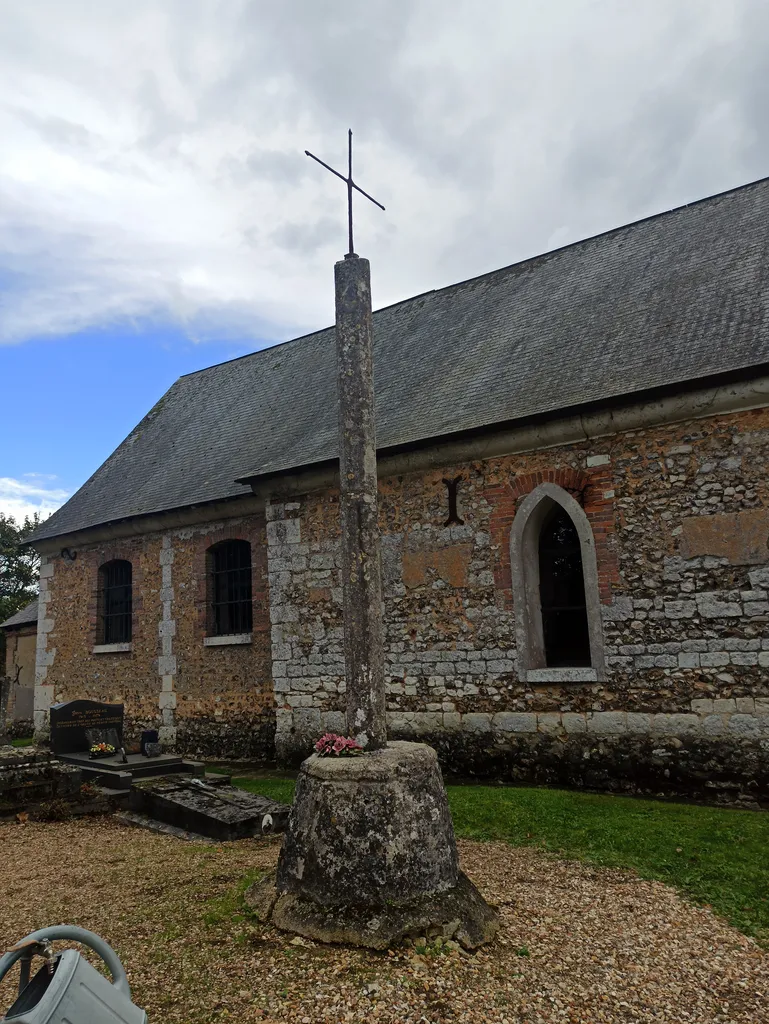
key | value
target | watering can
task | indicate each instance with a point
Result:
(66, 989)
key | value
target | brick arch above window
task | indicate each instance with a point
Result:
(527, 525)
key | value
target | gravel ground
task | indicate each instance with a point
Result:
(577, 944)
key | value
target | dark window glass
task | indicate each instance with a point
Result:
(562, 593)
(116, 602)
(230, 569)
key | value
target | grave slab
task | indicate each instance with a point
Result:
(218, 811)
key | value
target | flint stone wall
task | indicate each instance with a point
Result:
(204, 700)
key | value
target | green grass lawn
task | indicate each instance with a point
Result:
(715, 856)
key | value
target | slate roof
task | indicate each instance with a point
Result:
(25, 617)
(673, 298)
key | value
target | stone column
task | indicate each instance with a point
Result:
(361, 571)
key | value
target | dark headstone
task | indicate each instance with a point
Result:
(107, 735)
(148, 736)
(153, 749)
(71, 721)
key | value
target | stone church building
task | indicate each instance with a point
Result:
(574, 510)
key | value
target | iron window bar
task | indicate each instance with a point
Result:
(118, 602)
(231, 588)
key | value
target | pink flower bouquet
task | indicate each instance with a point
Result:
(332, 745)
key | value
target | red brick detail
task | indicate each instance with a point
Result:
(589, 488)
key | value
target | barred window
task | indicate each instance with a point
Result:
(229, 578)
(115, 586)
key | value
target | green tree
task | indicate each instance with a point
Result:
(19, 568)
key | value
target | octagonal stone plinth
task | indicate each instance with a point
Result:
(369, 856)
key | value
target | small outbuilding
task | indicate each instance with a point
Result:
(20, 643)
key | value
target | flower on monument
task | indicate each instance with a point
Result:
(101, 750)
(333, 745)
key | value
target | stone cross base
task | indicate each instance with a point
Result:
(369, 857)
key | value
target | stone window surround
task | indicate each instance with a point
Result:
(227, 639)
(113, 648)
(524, 560)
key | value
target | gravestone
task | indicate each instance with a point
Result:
(77, 724)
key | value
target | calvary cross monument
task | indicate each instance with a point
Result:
(369, 856)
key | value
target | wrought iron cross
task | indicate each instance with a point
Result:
(350, 186)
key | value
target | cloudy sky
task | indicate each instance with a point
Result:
(157, 213)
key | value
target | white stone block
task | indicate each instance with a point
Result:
(745, 705)
(284, 531)
(607, 723)
(724, 705)
(759, 578)
(44, 696)
(686, 660)
(333, 721)
(167, 736)
(167, 665)
(675, 724)
(745, 725)
(549, 722)
(746, 658)
(597, 460)
(680, 609)
(639, 722)
(514, 722)
(476, 722)
(166, 699)
(714, 659)
(702, 706)
(710, 606)
(713, 725)
(574, 722)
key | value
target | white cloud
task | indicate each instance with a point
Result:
(33, 493)
(152, 160)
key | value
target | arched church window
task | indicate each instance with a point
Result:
(229, 588)
(558, 626)
(562, 592)
(115, 602)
